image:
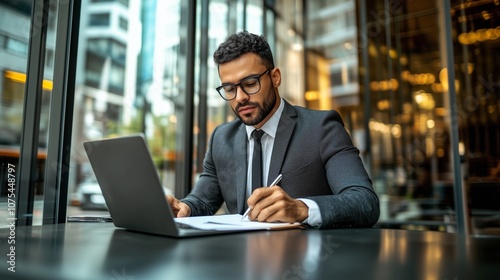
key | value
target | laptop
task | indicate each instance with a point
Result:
(132, 189)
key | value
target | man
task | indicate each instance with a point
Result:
(324, 183)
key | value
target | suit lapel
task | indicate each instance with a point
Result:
(283, 134)
(241, 162)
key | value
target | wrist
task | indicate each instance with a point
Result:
(302, 211)
(187, 209)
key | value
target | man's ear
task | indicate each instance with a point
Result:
(276, 77)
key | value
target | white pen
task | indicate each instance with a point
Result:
(275, 182)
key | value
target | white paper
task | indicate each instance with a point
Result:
(231, 222)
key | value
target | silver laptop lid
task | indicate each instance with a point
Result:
(130, 184)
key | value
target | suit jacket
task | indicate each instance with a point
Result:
(314, 153)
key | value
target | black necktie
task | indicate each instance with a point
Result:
(257, 159)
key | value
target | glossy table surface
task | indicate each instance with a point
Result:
(101, 251)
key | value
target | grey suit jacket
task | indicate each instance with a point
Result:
(314, 153)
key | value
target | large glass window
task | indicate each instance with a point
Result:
(15, 31)
(287, 41)
(476, 30)
(410, 118)
(218, 111)
(410, 152)
(130, 81)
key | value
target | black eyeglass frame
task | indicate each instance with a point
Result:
(257, 77)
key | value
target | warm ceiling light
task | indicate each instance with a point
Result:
(440, 111)
(312, 95)
(486, 15)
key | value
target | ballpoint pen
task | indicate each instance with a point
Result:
(274, 183)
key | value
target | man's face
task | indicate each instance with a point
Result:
(254, 109)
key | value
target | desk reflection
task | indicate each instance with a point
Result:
(435, 253)
(101, 251)
(288, 254)
(132, 254)
(266, 253)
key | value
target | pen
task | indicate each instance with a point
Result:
(274, 183)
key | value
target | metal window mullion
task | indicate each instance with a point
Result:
(203, 84)
(183, 176)
(463, 224)
(244, 15)
(31, 113)
(365, 84)
(61, 114)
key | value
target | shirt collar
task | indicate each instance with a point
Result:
(271, 125)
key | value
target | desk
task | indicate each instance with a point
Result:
(101, 251)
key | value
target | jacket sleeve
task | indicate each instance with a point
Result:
(206, 198)
(353, 202)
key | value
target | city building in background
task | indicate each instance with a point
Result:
(416, 82)
(108, 49)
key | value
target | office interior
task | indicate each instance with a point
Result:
(416, 82)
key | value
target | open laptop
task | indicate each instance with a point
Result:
(132, 189)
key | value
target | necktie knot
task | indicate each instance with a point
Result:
(257, 134)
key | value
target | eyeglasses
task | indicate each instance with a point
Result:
(250, 85)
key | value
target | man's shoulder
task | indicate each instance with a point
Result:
(229, 127)
(307, 113)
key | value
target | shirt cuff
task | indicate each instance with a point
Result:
(314, 218)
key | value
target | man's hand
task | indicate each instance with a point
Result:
(180, 209)
(273, 204)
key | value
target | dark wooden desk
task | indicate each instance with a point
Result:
(101, 251)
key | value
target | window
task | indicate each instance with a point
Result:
(108, 47)
(99, 45)
(125, 92)
(99, 19)
(116, 78)
(117, 51)
(17, 46)
(123, 22)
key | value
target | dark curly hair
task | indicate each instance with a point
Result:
(241, 43)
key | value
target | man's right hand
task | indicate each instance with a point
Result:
(179, 208)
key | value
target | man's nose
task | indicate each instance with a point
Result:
(241, 95)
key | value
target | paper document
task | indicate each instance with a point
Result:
(231, 222)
